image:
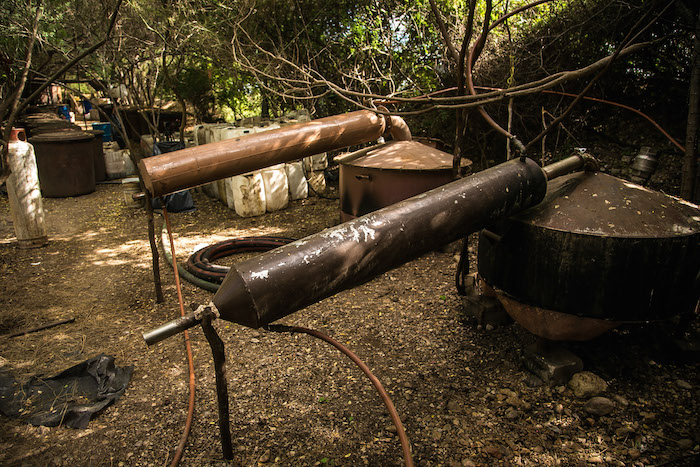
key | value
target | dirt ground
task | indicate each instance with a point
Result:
(462, 390)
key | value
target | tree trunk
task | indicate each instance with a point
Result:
(460, 141)
(265, 105)
(690, 181)
(24, 195)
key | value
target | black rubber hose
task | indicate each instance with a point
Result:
(184, 273)
(200, 263)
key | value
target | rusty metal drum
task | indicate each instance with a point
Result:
(382, 175)
(98, 155)
(66, 163)
(598, 247)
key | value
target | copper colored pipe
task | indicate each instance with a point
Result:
(174, 171)
(190, 361)
(393, 413)
(398, 129)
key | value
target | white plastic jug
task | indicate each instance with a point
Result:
(316, 162)
(114, 163)
(298, 187)
(248, 193)
(276, 187)
(317, 181)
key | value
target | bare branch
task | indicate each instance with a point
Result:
(443, 30)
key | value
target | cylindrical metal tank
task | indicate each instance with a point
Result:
(598, 247)
(385, 174)
(36, 127)
(267, 287)
(98, 155)
(65, 162)
(167, 173)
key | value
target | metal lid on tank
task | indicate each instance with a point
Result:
(61, 137)
(594, 203)
(399, 155)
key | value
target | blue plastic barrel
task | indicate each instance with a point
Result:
(64, 111)
(106, 128)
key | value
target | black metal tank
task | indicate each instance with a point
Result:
(598, 247)
(65, 162)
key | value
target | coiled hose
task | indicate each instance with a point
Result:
(202, 273)
(200, 264)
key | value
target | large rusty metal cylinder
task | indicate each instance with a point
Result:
(195, 166)
(265, 288)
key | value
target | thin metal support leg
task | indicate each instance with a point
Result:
(217, 351)
(154, 249)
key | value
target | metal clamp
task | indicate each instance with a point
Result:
(203, 309)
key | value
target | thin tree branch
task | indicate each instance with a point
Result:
(443, 30)
(625, 42)
(18, 94)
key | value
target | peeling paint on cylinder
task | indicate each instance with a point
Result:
(314, 268)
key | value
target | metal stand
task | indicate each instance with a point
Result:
(217, 351)
(154, 249)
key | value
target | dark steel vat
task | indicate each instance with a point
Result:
(385, 174)
(597, 247)
(98, 155)
(65, 162)
(36, 127)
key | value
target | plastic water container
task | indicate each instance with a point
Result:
(147, 145)
(129, 167)
(106, 128)
(130, 187)
(298, 187)
(235, 132)
(273, 126)
(248, 194)
(24, 193)
(114, 164)
(316, 162)
(276, 188)
(317, 181)
(211, 189)
(64, 112)
(221, 185)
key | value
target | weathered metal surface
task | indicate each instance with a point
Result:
(599, 247)
(644, 166)
(36, 127)
(98, 155)
(194, 166)
(569, 164)
(65, 163)
(171, 328)
(554, 325)
(265, 288)
(385, 174)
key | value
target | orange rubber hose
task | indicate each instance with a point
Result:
(190, 361)
(393, 413)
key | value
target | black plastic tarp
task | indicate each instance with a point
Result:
(180, 201)
(70, 398)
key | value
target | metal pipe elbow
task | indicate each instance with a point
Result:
(398, 128)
